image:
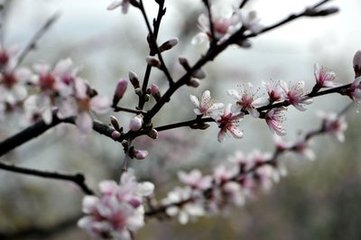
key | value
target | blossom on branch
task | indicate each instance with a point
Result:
(274, 91)
(206, 106)
(334, 125)
(355, 90)
(185, 203)
(323, 77)
(195, 179)
(228, 123)
(225, 23)
(274, 119)
(247, 100)
(250, 21)
(119, 211)
(295, 95)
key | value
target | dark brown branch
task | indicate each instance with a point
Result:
(78, 178)
(28, 134)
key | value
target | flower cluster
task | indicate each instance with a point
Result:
(229, 185)
(119, 211)
(248, 101)
(58, 88)
(225, 23)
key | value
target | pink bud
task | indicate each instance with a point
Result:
(136, 123)
(140, 154)
(119, 91)
(154, 90)
(116, 135)
(357, 63)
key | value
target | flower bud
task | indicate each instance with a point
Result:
(154, 90)
(312, 12)
(133, 78)
(200, 74)
(153, 61)
(357, 64)
(168, 44)
(153, 133)
(184, 62)
(194, 82)
(136, 123)
(114, 122)
(140, 154)
(116, 135)
(119, 91)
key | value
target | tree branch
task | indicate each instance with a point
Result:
(78, 178)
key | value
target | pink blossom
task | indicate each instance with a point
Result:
(81, 105)
(120, 3)
(195, 179)
(225, 23)
(140, 154)
(250, 21)
(274, 119)
(13, 85)
(355, 90)
(295, 95)
(228, 123)
(323, 77)
(206, 106)
(274, 91)
(118, 211)
(247, 100)
(222, 174)
(56, 81)
(136, 123)
(334, 125)
(301, 147)
(192, 208)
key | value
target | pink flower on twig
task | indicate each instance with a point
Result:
(247, 100)
(228, 123)
(206, 106)
(323, 77)
(295, 95)
(274, 119)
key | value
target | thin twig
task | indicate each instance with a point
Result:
(123, 109)
(78, 178)
(214, 52)
(33, 42)
(153, 50)
(211, 25)
(243, 3)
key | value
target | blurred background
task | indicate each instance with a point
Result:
(317, 200)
